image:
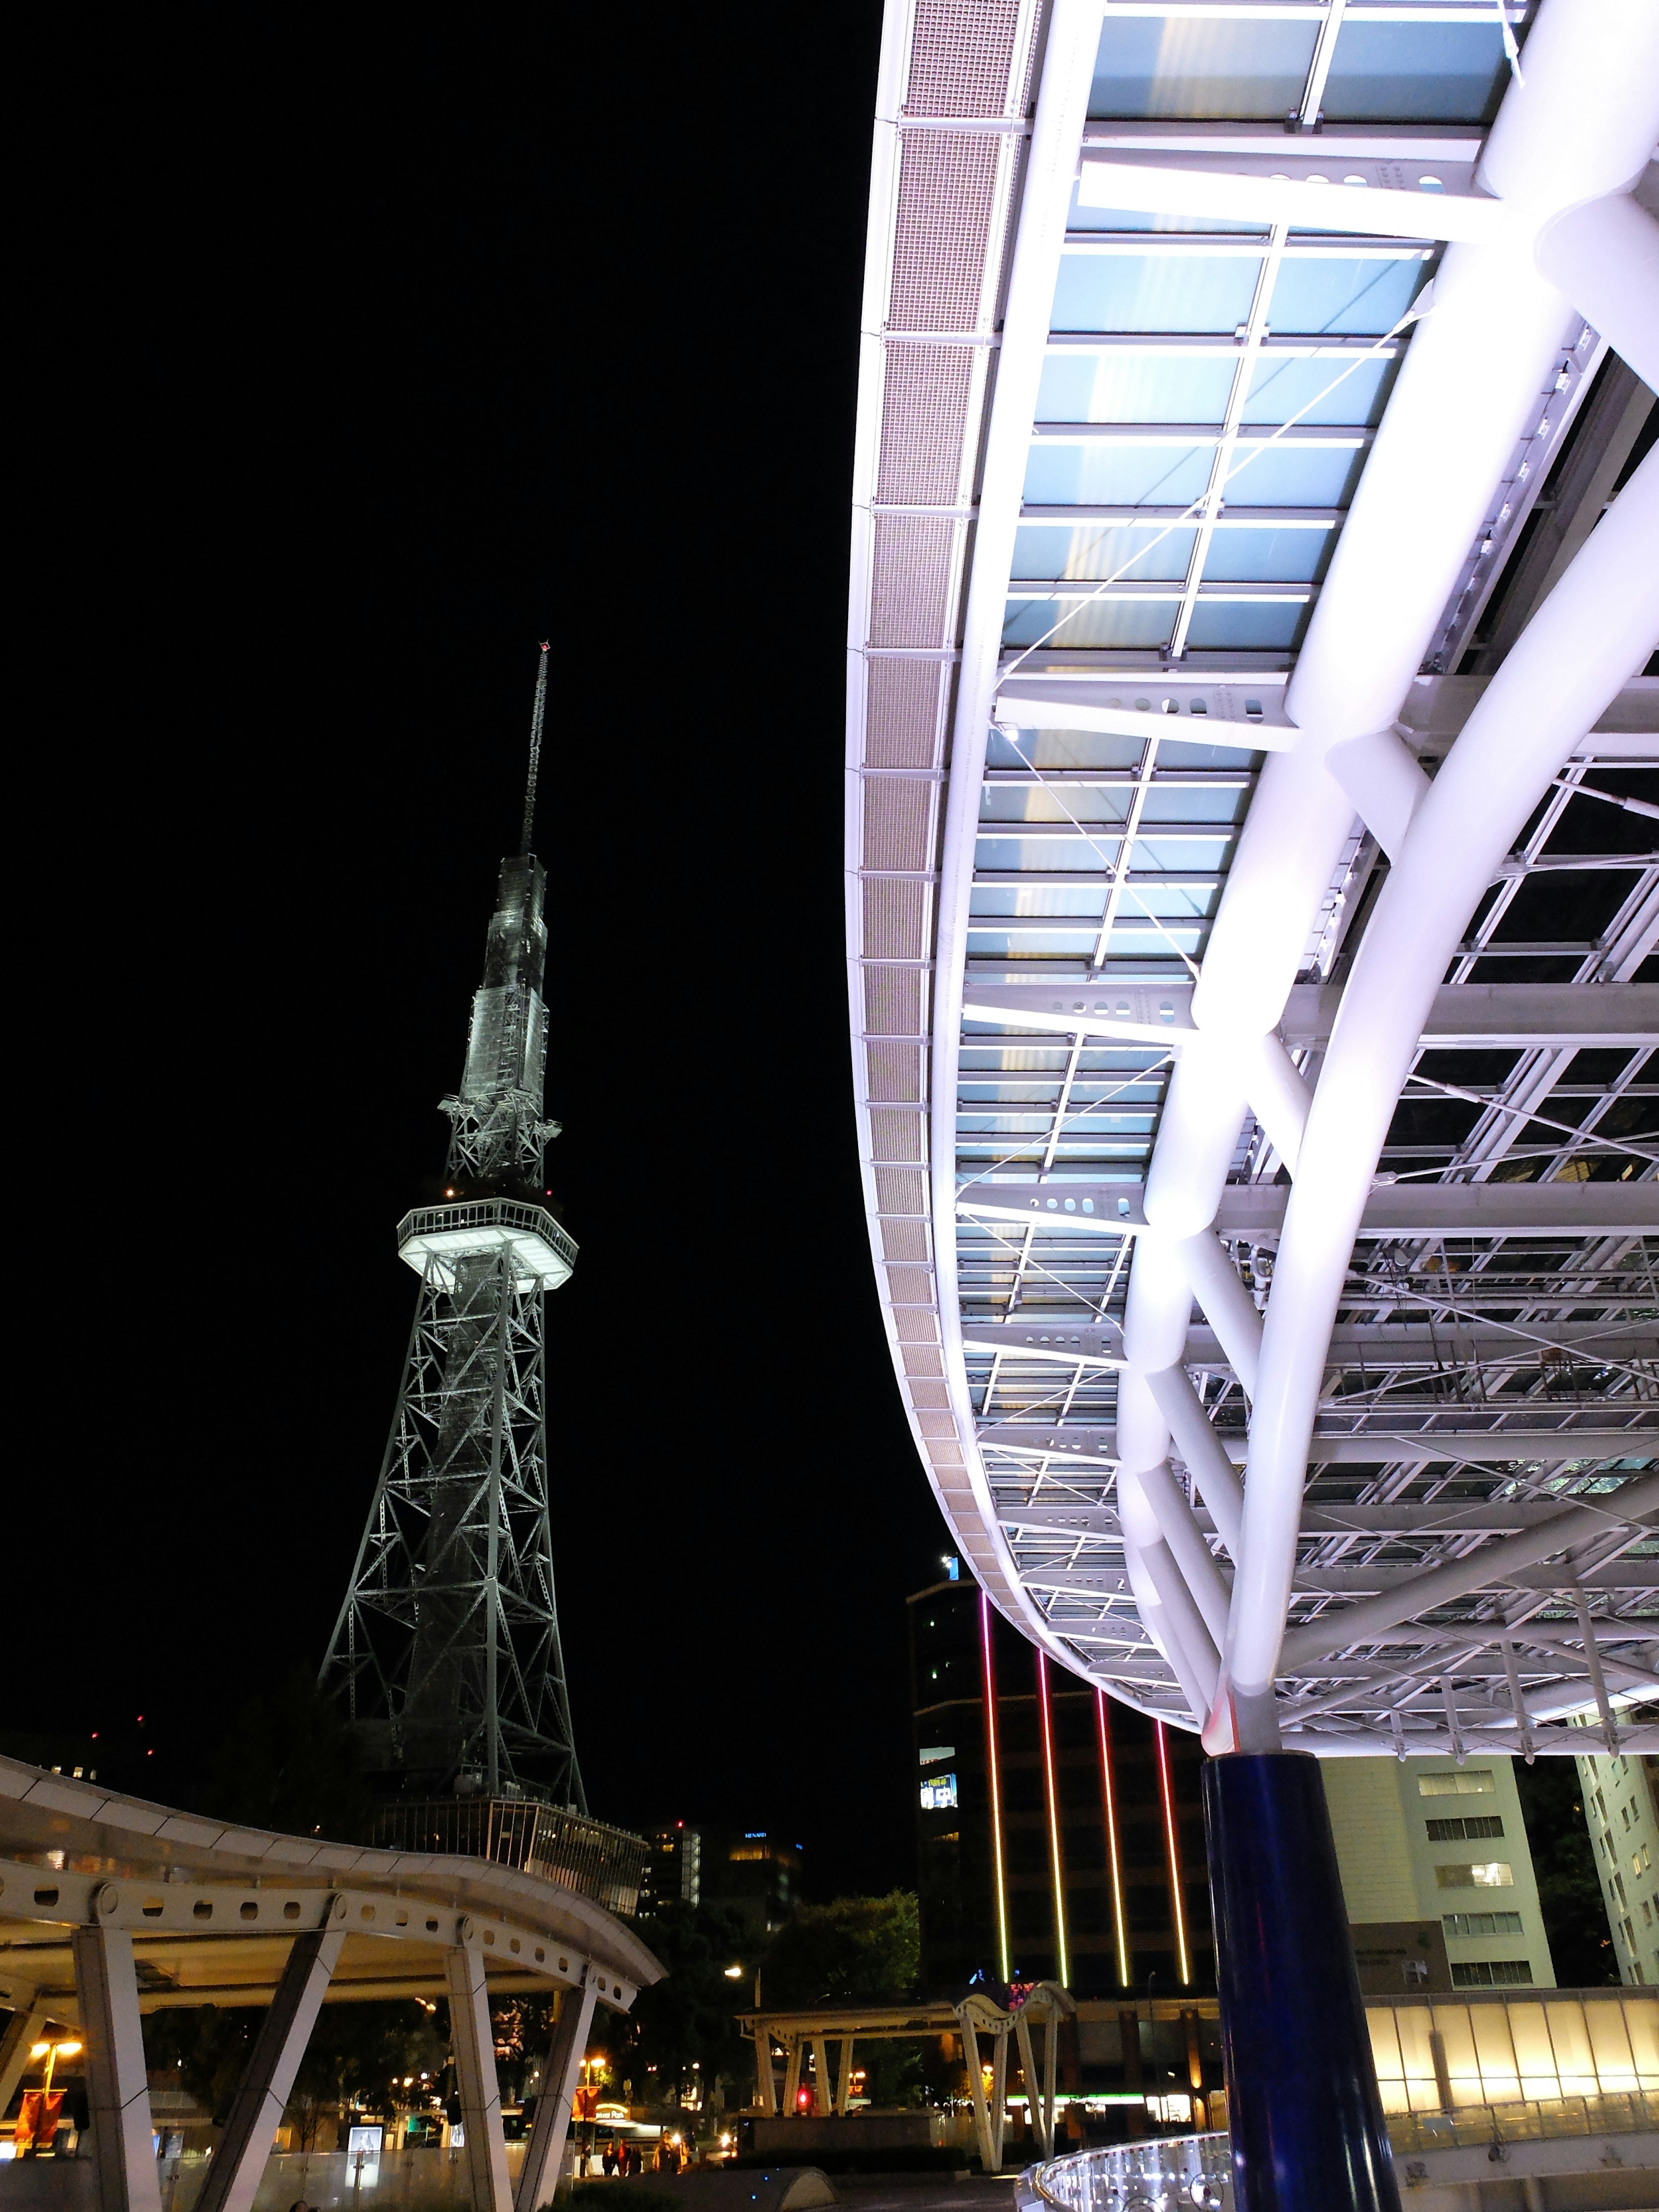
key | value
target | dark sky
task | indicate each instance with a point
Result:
(361, 369)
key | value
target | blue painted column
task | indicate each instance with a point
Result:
(1306, 2120)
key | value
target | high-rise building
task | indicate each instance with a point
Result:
(1620, 1811)
(1058, 1834)
(755, 1875)
(673, 1867)
(1436, 1874)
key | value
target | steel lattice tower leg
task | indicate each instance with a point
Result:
(448, 1646)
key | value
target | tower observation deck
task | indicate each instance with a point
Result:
(447, 1651)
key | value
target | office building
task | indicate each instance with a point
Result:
(1436, 1874)
(1624, 1826)
(1058, 1834)
(673, 1867)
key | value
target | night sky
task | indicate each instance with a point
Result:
(360, 370)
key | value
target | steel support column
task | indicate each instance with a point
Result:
(118, 2092)
(238, 2158)
(1306, 2120)
(539, 2177)
(473, 2042)
(22, 2032)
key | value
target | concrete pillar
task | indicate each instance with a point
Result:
(238, 2158)
(844, 2086)
(1305, 2114)
(987, 2156)
(474, 2046)
(562, 2073)
(118, 2093)
(1050, 2058)
(822, 2105)
(1128, 2034)
(765, 2085)
(999, 2098)
(1034, 2112)
(791, 2074)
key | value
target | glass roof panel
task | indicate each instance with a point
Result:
(1359, 296)
(1116, 219)
(1281, 388)
(1245, 624)
(1103, 622)
(1139, 476)
(1097, 549)
(1156, 292)
(1296, 475)
(1171, 803)
(1416, 73)
(1150, 65)
(1284, 555)
(1137, 387)
(1190, 752)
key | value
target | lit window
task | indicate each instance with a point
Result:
(1485, 1874)
(938, 1793)
(1458, 1782)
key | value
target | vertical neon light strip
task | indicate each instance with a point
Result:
(1109, 1799)
(1060, 1953)
(994, 1769)
(1174, 1848)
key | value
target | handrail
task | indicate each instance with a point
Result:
(489, 1213)
(1102, 2180)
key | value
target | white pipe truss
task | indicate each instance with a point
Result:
(1078, 1344)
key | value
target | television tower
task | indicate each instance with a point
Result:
(447, 1648)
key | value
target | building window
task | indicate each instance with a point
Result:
(1488, 1874)
(1491, 1973)
(1458, 1782)
(1482, 1924)
(1466, 1830)
(938, 1793)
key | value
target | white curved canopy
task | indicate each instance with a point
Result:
(1252, 894)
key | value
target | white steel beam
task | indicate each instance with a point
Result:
(1059, 1443)
(239, 2157)
(118, 2088)
(1255, 1211)
(1477, 1015)
(539, 2177)
(473, 2042)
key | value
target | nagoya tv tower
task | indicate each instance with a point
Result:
(446, 1650)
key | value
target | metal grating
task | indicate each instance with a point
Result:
(961, 57)
(902, 704)
(923, 423)
(910, 599)
(947, 189)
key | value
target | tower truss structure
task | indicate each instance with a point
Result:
(446, 1650)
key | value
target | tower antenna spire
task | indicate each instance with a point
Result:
(536, 714)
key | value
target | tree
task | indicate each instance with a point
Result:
(858, 1950)
(685, 2024)
(1564, 1860)
(365, 2052)
(293, 1763)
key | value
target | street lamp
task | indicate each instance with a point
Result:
(52, 2052)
